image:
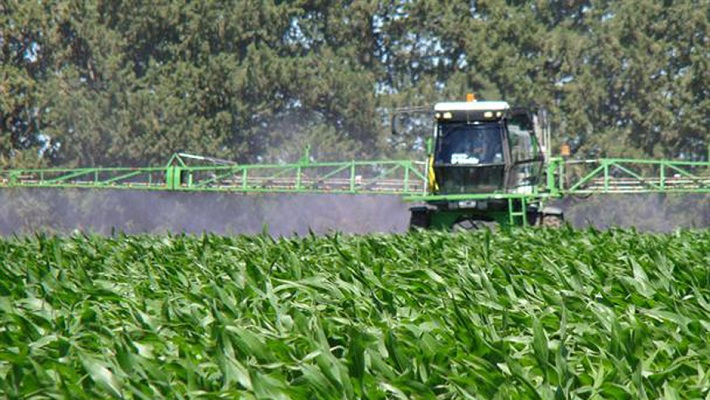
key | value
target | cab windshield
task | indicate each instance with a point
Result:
(461, 143)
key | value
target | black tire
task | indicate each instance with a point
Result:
(419, 219)
(552, 221)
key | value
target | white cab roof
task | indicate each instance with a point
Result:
(472, 106)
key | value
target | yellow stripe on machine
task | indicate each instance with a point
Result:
(430, 173)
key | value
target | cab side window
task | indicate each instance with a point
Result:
(521, 148)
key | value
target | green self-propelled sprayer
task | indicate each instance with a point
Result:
(487, 164)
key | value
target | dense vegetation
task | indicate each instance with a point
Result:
(519, 314)
(98, 83)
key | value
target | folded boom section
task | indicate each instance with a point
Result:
(628, 176)
(366, 177)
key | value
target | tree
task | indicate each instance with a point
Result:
(125, 82)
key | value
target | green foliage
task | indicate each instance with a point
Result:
(517, 314)
(123, 82)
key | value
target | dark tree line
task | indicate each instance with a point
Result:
(93, 82)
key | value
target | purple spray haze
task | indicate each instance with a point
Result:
(23, 211)
(26, 210)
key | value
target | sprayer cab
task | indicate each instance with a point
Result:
(484, 147)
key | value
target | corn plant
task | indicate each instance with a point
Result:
(543, 314)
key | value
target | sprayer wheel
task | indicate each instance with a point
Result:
(420, 219)
(552, 221)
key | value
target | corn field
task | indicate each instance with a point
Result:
(541, 314)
